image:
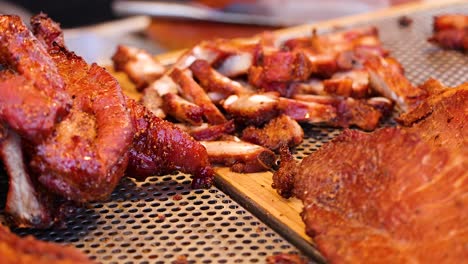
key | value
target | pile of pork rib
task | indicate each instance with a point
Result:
(68, 134)
(244, 100)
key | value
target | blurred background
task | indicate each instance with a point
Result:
(93, 28)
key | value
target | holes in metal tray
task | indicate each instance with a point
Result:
(137, 226)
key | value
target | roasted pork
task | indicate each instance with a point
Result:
(398, 196)
(15, 249)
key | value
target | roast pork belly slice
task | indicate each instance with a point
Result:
(380, 206)
(450, 31)
(354, 83)
(388, 80)
(181, 109)
(240, 156)
(278, 132)
(214, 82)
(190, 90)
(207, 132)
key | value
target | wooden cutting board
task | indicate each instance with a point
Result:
(257, 187)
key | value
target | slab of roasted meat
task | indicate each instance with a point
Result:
(86, 155)
(14, 249)
(67, 131)
(396, 195)
(451, 31)
(32, 92)
(159, 147)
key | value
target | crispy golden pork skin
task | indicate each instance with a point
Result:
(396, 195)
(87, 155)
(159, 147)
(28, 250)
(32, 96)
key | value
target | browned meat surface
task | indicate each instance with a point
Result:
(284, 258)
(240, 156)
(181, 109)
(252, 109)
(335, 111)
(397, 195)
(191, 91)
(87, 155)
(159, 147)
(387, 79)
(212, 132)
(214, 82)
(28, 250)
(442, 119)
(32, 97)
(280, 131)
(353, 83)
(283, 178)
(323, 79)
(357, 112)
(451, 31)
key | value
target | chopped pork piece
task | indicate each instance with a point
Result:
(138, 64)
(214, 82)
(252, 109)
(391, 83)
(278, 132)
(283, 178)
(304, 111)
(334, 111)
(353, 83)
(236, 64)
(240, 156)
(191, 91)
(311, 86)
(383, 104)
(164, 85)
(159, 147)
(451, 31)
(212, 132)
(153, 101)
(181, 109)
(450, 21)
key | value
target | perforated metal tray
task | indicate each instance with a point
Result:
(162, 219)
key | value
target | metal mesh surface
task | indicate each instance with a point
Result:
(162, 219)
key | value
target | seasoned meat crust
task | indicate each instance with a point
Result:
(14, 249)
(396, 195)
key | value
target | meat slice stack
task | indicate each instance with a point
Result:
(68, 133)
(396, 195)
(269, 86)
